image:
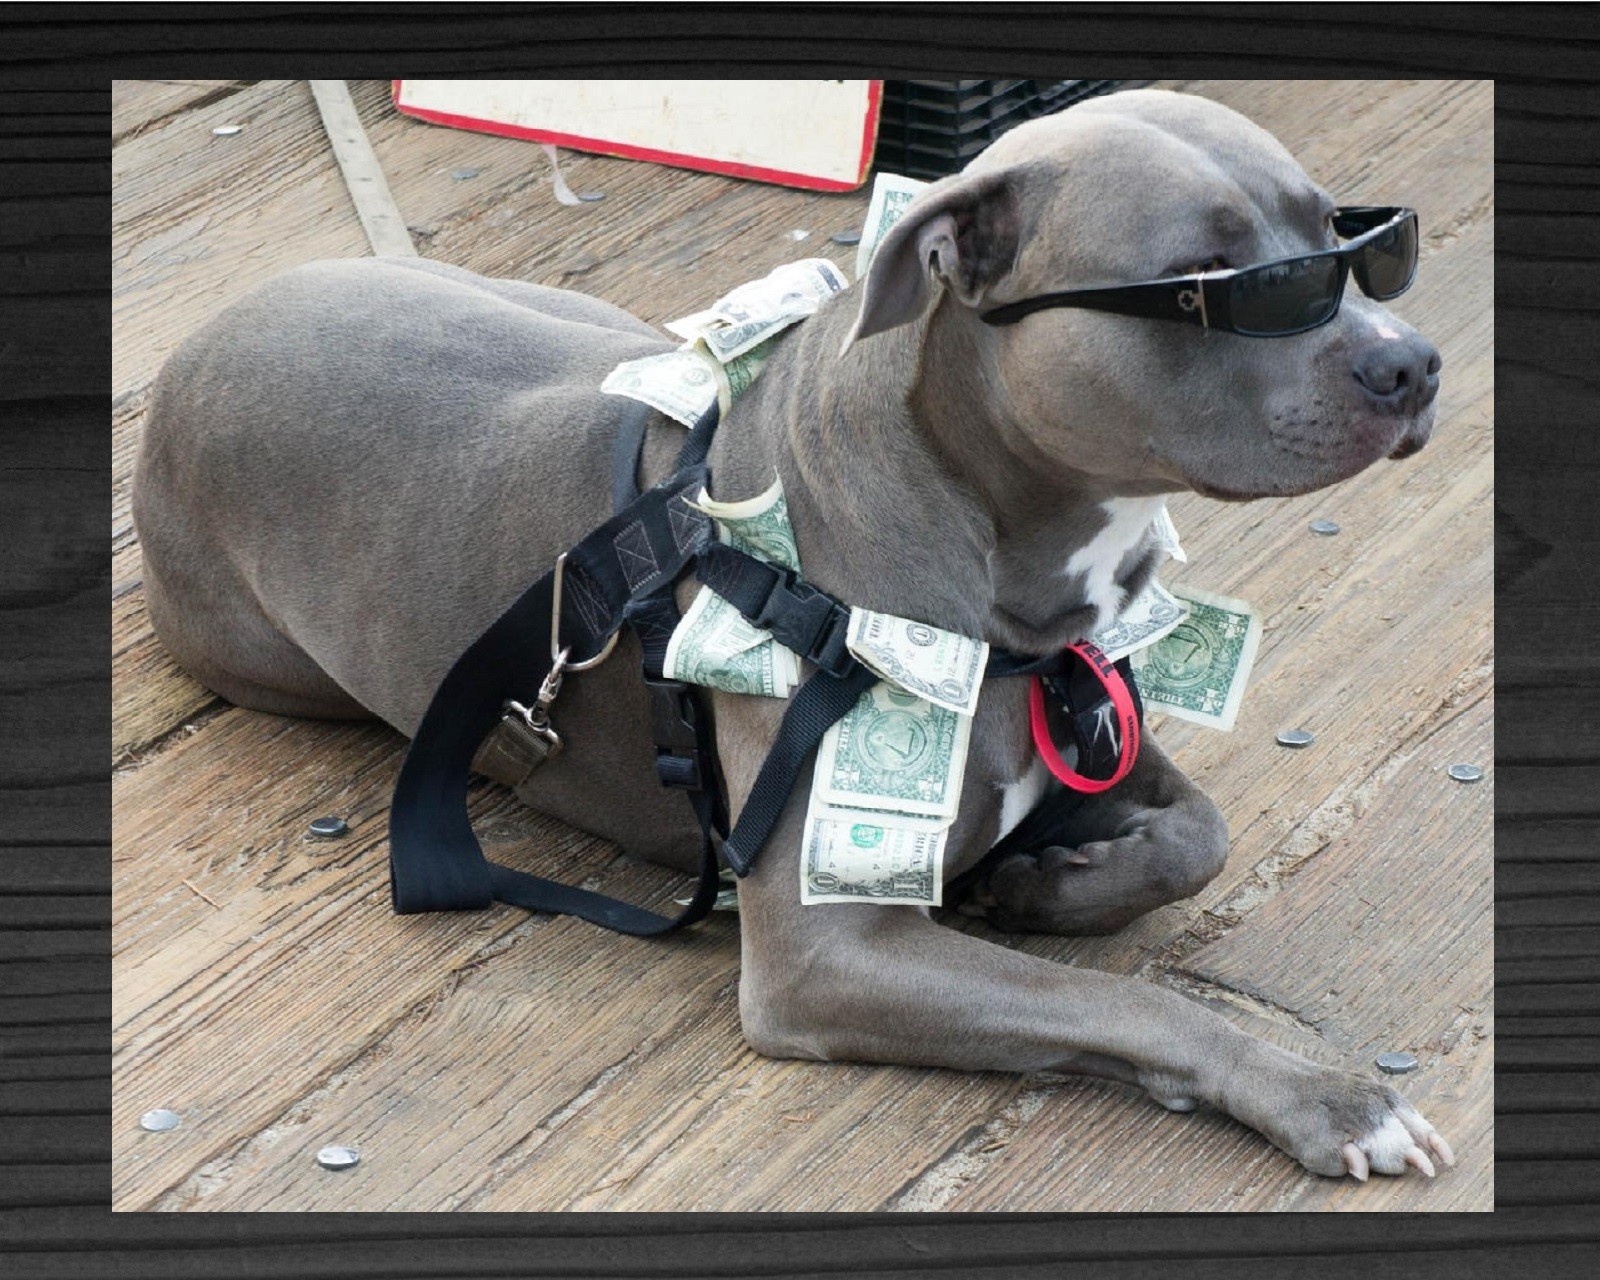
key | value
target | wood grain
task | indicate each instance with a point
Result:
(688, 1118)
(52, 1170)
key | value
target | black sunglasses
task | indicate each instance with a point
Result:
(1271, 299)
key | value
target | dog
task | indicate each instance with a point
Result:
(348, 474)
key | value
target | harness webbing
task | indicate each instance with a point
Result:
(623, 573)
(435, 860)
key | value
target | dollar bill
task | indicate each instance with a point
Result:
(758, 525)
(761, 309)
(682, 384)
(1199, 670)
(858, 856)
(795, 288)
(1151, 614)
(897, 752)
(713, 645)
(940, 666)
(891, 193)
(727, 893)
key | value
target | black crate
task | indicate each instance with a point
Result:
(930, 128)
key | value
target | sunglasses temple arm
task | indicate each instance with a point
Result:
(1157, 300)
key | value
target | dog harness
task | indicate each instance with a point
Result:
(622, 574)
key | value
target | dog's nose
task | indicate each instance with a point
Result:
(1400, 374)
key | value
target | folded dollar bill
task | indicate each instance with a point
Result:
(756, 312)
(1149, 616)
(1199, 670)
(713, 645)
(941, 666)
(1166, 534)
(682, 384)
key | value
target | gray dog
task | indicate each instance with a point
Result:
(350, 473)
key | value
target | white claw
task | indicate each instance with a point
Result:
(1355, 1160)
(1418, 1160)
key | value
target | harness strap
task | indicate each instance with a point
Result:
(815, 625)
(435, 860)
(822, 702)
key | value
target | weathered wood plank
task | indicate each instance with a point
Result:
(136, 105)
(423, 1076)
(1390, 922)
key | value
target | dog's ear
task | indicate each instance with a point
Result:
(961, 233)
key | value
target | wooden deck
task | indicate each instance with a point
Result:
(499, 1062)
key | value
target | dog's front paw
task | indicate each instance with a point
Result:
(1054, 891)
(1336, 1123)
(1153, 856)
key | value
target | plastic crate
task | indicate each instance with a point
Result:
(930, 128)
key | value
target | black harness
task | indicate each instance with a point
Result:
(623, 574)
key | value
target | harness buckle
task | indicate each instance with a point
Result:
(680, 735)
(809, 621)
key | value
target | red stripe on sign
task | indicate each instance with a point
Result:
(625, 151)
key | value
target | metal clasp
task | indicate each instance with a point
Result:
(558, 653)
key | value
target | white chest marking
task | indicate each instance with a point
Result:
(1098, 560)
(1017, 798)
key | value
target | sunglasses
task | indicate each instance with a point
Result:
(1271, 299)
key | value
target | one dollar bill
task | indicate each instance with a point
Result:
(1198, 671)
(891, 193)
(682, 384)
(1153, 613)
(896, 752)
(860, 856)
(714, 645)
(940, 666)
(755, 312)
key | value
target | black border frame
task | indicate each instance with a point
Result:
(55, 64)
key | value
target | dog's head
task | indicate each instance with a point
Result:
(1139, 186)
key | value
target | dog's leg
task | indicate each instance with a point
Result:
(888, 984)
(1152, 839)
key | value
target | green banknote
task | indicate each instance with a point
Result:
(891, 193)
(713, 645)
(1198, 671)
(894, 751)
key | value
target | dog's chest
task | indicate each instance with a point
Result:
(1098, 561)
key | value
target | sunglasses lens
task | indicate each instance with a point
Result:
(1285, 297)
(1387, 263)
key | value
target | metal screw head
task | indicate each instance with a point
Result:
(338, 1158)
(461, 175)
(1465, 772)
(1295, 738)
(846, 237)
(227, 130)
(160, 1120)
(329, 828)
(1396, 1064)
(1326, 528)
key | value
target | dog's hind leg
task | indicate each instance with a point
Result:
(1152, 839)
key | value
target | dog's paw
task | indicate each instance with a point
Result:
(1049, 892)
(1344, 1124)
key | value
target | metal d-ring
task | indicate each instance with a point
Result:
(558, 654)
